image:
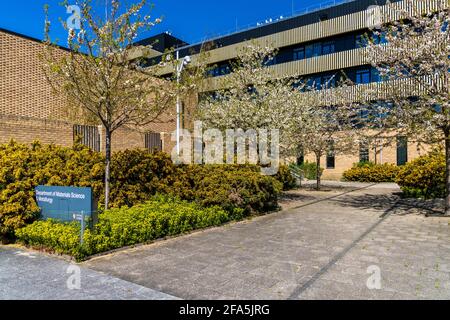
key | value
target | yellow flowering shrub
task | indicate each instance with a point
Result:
(159, 217)
(369, 172)
(23, 167)
(424, 177)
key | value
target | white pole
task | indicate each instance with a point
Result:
(381, 154)
(178, 104)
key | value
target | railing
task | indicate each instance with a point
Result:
(385, 90)
(333, 61)
(270, 21)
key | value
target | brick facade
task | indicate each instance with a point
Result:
(29, 110)
(387, 154)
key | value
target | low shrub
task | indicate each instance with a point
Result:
(424, 177)
(137, 175)
(24, 167)
(369, 172)
(309, 169)
(116, 228)
(285, 176)
(62, 238)
(228, 186)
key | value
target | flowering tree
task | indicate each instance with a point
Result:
(326, 124)
(416, 59)
(100, 77)
(253, 98)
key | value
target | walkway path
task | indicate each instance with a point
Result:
(328, 245)
(35, 276)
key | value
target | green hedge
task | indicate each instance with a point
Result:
(157, 218)
(369, 172)
(309, 169)
(136, 176)
(285, 176)
(424, 177)
(228, 186)
(24, 167)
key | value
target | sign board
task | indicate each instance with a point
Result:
(64, 203)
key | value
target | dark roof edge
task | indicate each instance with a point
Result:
(20, 35)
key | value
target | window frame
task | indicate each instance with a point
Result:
(329, 44)
(360, 73)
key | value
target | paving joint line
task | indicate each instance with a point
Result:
(300, 289)
(330, 198)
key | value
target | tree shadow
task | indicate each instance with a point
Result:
(394, 203)
(291, 196)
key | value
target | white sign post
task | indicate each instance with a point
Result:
(80, 217)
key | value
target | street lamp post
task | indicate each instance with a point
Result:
(180, 66)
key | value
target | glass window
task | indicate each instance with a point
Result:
(323, 17)
(153, 141)
(317, 49)
(363, 76)
(300, 157)
(309, 51)
(224, 69)
(363, 152)
(328, 47)
(87, 135)
(299, 53)
(380, 38)
(315, 83)
(402, 151)
(331, 159)
(375, 75)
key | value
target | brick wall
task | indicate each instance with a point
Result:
(29, 110)
(26, 130)
(23, 87)
(387, 155)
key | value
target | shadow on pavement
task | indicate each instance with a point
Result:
(384, 202)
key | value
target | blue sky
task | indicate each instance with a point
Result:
(191, 21)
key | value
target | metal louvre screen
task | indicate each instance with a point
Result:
(89, 136)
(153, 141)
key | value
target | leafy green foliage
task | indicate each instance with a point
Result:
(62, 238)
(23, 167)
(228, 186)
(285, 176)
(369, 172)
(309, 169)
(160, 217)
(424, 177)
(136, 176)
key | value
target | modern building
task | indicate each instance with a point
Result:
(319, 46)
(29, 109)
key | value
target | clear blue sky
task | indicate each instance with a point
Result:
(191, 21)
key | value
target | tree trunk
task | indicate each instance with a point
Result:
(447, 171)
(107, 166)
(318, 171)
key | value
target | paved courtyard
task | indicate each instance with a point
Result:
(35, 276)
(326, 245)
